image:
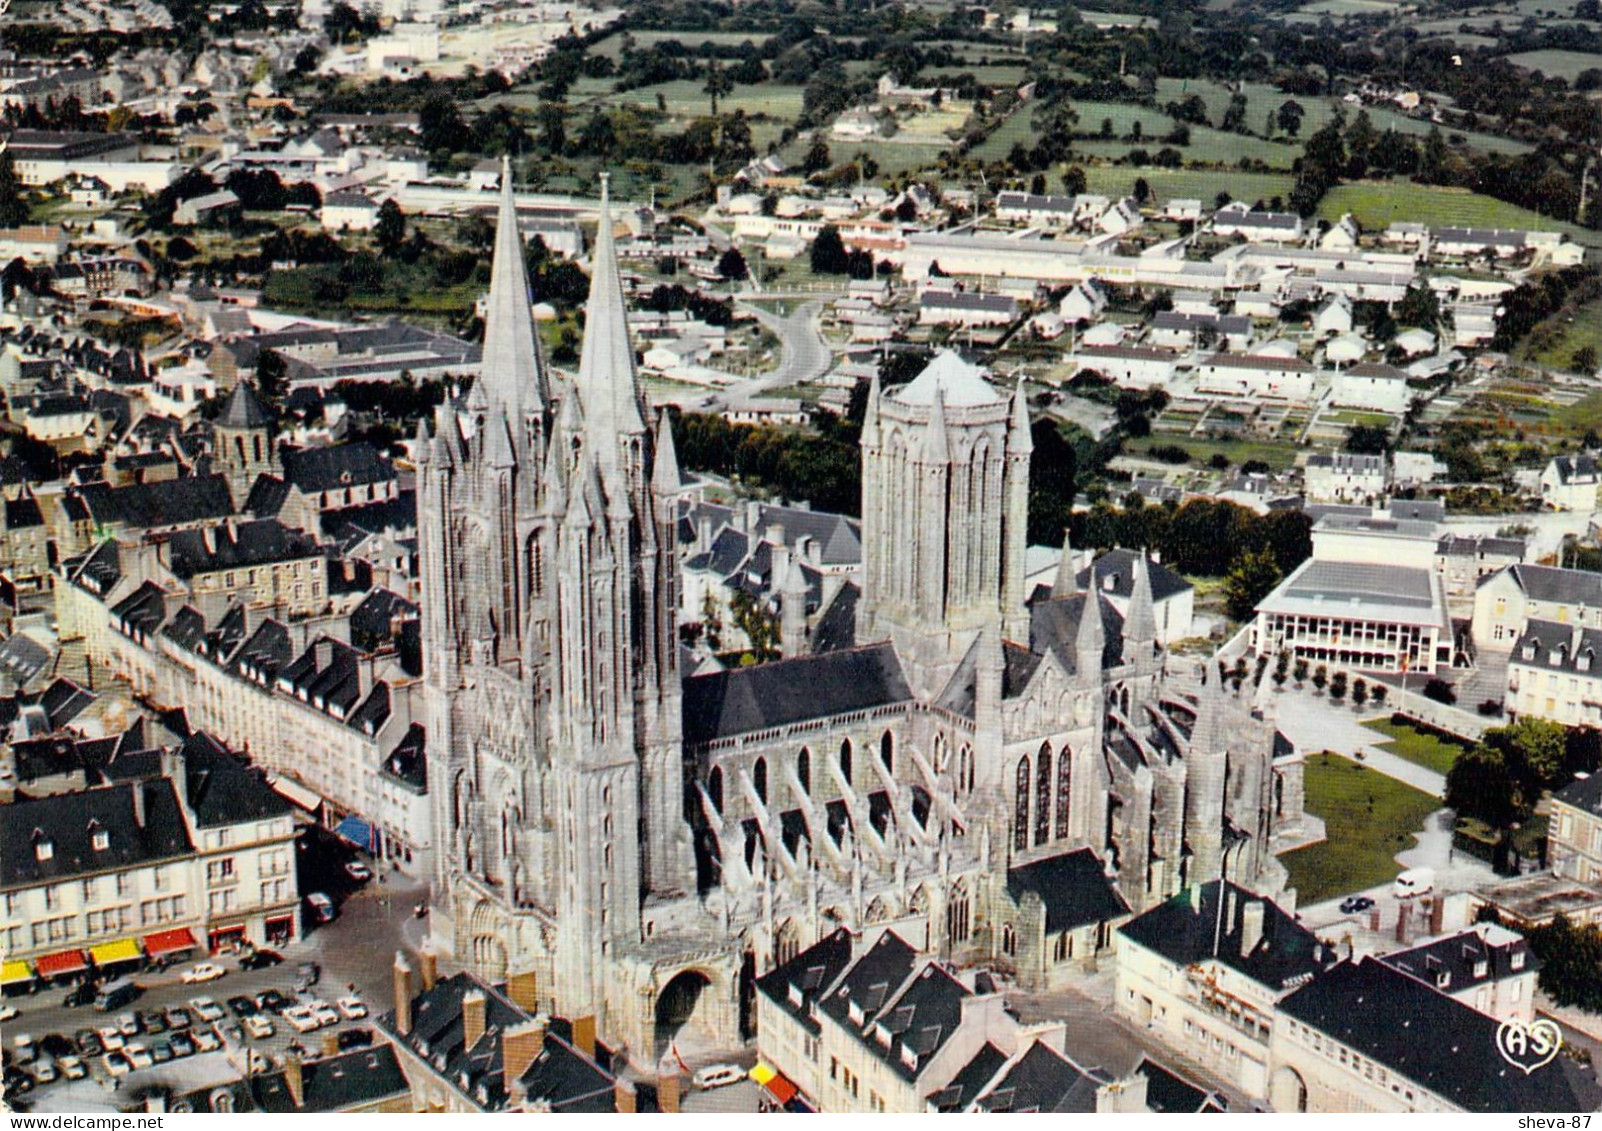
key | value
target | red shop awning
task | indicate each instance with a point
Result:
(63, 962)
(165, 942)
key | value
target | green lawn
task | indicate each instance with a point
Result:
(1556, 64)
(1417, 746)
(1186, 184)
(1377, 203)
(1368, 819)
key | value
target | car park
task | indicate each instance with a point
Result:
(241, 1006)
(73, 1067)
(206, 1008)
(111, 1037)
(718, 1076)
(117, 1064)
(202, 972)
(127, 1024)
(160, 1051)
(206, 1041)
(178, 1018)
(89, 1043)
(259, 1027)
(182, 1045)
(260, 960)
(139, 1055)
(352, 1008)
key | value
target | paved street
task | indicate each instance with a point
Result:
(804, 354)
(1313, 723)
(358, 947)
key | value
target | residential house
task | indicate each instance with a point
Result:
(1374, 386)
(1570, 483)
(1345, 477)
(1487, 967)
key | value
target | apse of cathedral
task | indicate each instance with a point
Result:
(1003, 776)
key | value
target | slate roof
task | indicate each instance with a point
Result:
(1434, 1041)
(1120, 566)
(917, 1006)
(788, 691)
(261, 542)
(225, 789)
(1042, 1080)
(1169, 1093)
(342, 1082)
(1184, 933)
(1551, 646)
(836, 628)
(313, 470)
(69, 820)
(966, 1085)
(1548, 583)
(811, 973)
(1582, 793)
(1074, 888)
(244, 410)
(168, 502)
(1455, 963)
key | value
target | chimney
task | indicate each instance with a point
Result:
(1437, 915)
(403, 994)
(1251, 929)
(472, 1017)
(1402, 916)
(1229, 905)
(520, 1045)
(428, 964)
(623, 1096)
(1374, 918)
(323, 653)
(780, 572)
(703, 532)
(584, 1034)
(807, 547)
(331, 1043)
(667, 1090)
(523, 989)
(753, 517)
(138, 795)
(292, 1077)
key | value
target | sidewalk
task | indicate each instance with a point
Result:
(1315, 724)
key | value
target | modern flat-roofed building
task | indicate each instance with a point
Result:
(1371, 617)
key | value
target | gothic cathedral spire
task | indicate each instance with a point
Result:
(607, 386)
(513, 377)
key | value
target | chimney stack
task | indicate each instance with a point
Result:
(1402, 915)
(667, 1089)
(520, 1045)
(523, 989)
(428, 964)
(1251, 930)
(584, 1034)
(331, 1043)
(472, 1017)
(623, 1099)
(137, 792)
(292, 1077)
(1437, 915)
(403, 994)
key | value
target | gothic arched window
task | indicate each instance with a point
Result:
(759, 778)
(887, 751)
(803, 770)
(714, 788)
(1009, 939)
(957, 912)
(845, 760)
(967, 764)
(1043, 795)
(1065, 781)
(1020, 819)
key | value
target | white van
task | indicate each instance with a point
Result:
(1414, 881)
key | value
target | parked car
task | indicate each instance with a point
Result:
(1413, 882)
(178, 1018)
(139, 1055)
(45, 1072)
(206, 1041)
(206, 1008)
(153, 1020)
(300, 1018)
(73, 1067)
(260, 960)
(111, 1037)
(308, 974)
(89, 1043)
(325, 1013)
(718, 1076)
(352, 1008)
(355, 1039)
(117, 1064)
(9, 1012)
(241, 1006)
(161, 1051)
(358, 871)
(259, 1027)
(321, 908)
(128, 1025)
(115, 995)
(273, 1000)
(17, 1081)
(1356, 903)
(203, 972)
(24, 1049)
(182, 1045)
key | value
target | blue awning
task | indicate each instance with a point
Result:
(357, 831)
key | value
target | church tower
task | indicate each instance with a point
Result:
(242, 442)
(945, 489)
(546, 530)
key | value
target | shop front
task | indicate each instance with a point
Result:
(61, 965)
(114, 959)
(227, 937)
(162, 948)
(280, 929)
(16, 977)
(779, 1093)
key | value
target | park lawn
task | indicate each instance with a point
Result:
(1417, 746)
(1376, 204)
(1368, 819)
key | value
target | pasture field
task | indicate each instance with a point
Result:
(1377, 203)
(1186, 184)
(1557, 64)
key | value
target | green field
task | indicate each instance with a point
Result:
(1417, 746)
(1186, 184)
(1567, 337)
(1557, 64)
(1277, 456)
(1368, 819)
(1377, 203)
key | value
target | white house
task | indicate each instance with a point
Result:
(1237, 219)
(1334, 316)
(349, 211)
(1084, 303)
(964, 308)
(1122, 216)
(1569, 483)
(1255, 376)
(1126, 365)
(1342, 235)
(1382, 388)
(1344, 477)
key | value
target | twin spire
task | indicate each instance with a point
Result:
(512, 376)
(607, 387)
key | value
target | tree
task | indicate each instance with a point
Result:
(1281, 668)
(1337, 686)
(712, 621)
(1379, 691)
(1073, 180)
(1252, 578)
(272, 376)
(829, 256)
(1419, 307)
(1571, 961)
(1299, 672)
(761, 627)
(1359, 692)
(1321, 676)
(390, 230)
(1368, 439)
(731, 265)
(1142, 190)
(1289, 116)
(13, 208)
(1584, 360)
(817, 157)
(1440, 691)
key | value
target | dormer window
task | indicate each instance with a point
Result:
(43, 847)
(909, 1058)
(1517, 960)
(854, 1011)
(882, 1035)
(100, 839)
(1529, 651)
(1584, 661)
(1481, 968)
(1443, 979)
(794, 995)
(1109, 582)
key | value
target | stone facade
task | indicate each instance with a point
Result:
(642, 844)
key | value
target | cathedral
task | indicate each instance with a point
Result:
(1003, 775)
